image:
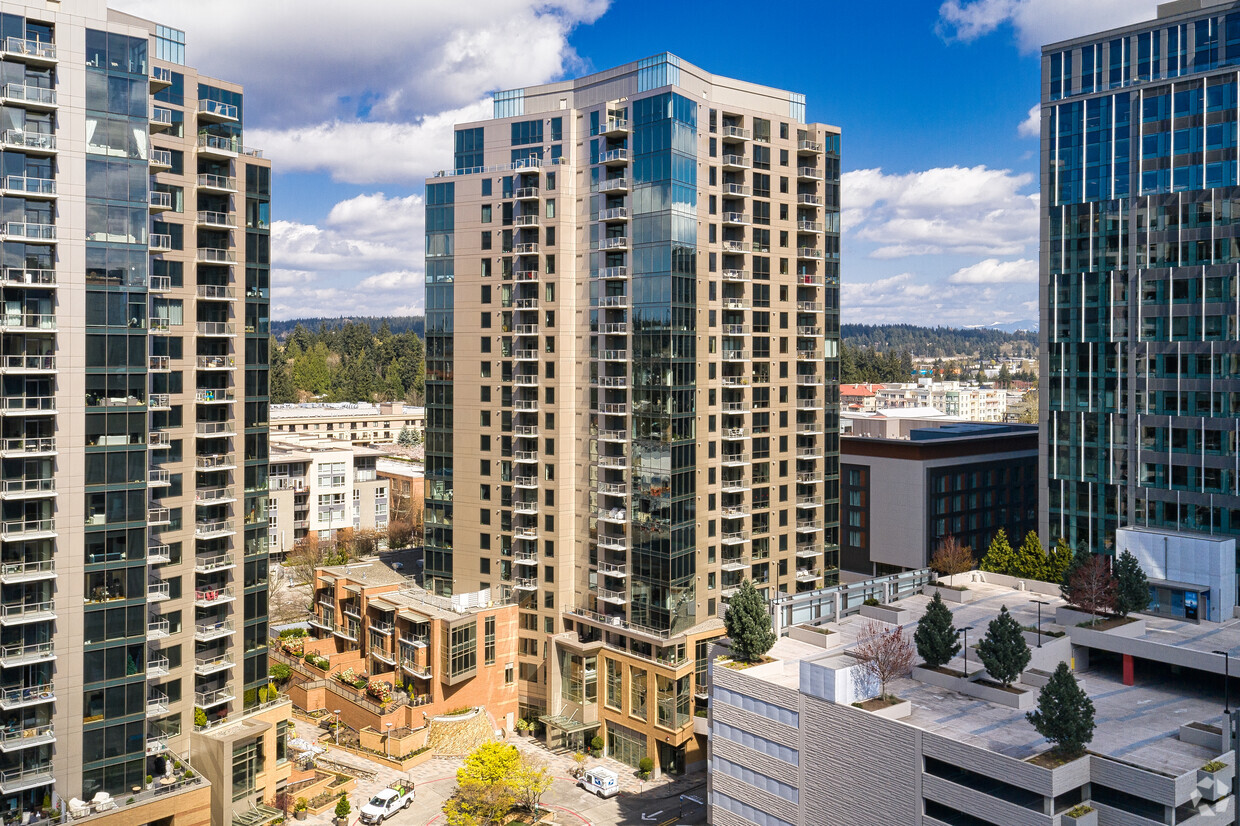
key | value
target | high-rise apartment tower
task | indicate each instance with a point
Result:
(632, 381)
(134, 285)
(1140, 228)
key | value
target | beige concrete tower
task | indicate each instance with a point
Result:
(632, 381)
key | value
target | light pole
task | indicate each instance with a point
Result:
(1226, 680)
(1040, 603)
(337, 713)
(966, 631)
(387, 751)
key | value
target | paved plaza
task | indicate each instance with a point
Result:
(652, 803)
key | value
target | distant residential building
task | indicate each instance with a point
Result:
(320, 485)
(953, 398)
(788, 747)
(861, 397)
(355, 421)
(899, 497)
(895, 423)
(406, 487)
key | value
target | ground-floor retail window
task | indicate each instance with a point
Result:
(625, 744)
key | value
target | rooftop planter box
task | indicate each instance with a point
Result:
(1082, 815)
(958, 595)
(1202, 734)
(1214, 780)
(1018, 697)
(1035, 677)
(933, 676)
(818, 635)
(699, 725)
(897, 710)
(887, 613)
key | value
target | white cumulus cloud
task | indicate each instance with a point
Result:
(1031, 126)
(365, 259)
(994, 271)
(1039, 22)
(947, 210)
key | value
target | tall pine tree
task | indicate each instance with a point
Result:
(1003, 651)
(1065, 714)
(748, 624)
(1029, 561)
(936, 635)
(999, 558)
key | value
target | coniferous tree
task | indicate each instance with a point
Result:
(748, 624)
(1065, 714)
(1132, 588)
(1029, 561)
(936, 635)
(1058, 559)
(999, 556)
(1003, 651)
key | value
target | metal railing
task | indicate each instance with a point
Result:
(215, 107)
(21, 47)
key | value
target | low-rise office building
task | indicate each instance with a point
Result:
(788, 747)
(966, 401)
(321, 486)
(960, 479)
(358, 422)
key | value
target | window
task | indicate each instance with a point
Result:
(331, 507)
(615, 684)
(462, 649)
(488, 640)
(486, 213)
(637, 692)
(486, 239)
(282, 729)
(508, 674)
(247, 763)
(331, 475)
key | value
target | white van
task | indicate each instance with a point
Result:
(600, 781)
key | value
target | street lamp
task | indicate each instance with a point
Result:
(337, 713)
(1226, 680)
(966, 631)
(387, 751)
(1040, 603)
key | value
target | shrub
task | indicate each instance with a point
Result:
(301, 805)
(1214, 766)
(645, 766)
(200, 717)
(342, 807)
(596, 744)
(1080, 810)
(871, 601)
(280, 672)
(380, 690)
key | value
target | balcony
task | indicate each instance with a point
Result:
(158, 440)
(614, 185)
(210, 699)
(19, 529)
(808, 574)
(737, 162)
(415, 668)
(736, 563)
(414, 639)
(526, 456)
(216, 146)
(809, 355)
(614, 157)
(735, 246)
(160, 242)
(614, 214)
(809, 173)
(809, 501)
(29, 231)
(29, 187)
(159, 401)
(156, 665)
(527, 532)
(214, 529)
(735, 133)
(214, 461)
(161, 159)
(612, 408)
(526, 558)
(217, 183)
(161, 119)
(525, 584)
(214, 430)
(526, 481)
(809, 226)
(158, 516)
(735, 459)
(217, 328)
(734, 537)
(618, 436)
(526, 275)
(736, 191)
(617, 242)
(17, 654)
(34, 143)
(19, 447)
(28, 51)
(158, 591)
(613, 543)
(157, 703)
(807, 551)
(613, 462)
(809, 253)
(616, 516)
(611, 273)
(613, 355)
(158, 554)
(28, 96)
(383, 654)
(737, 275)
(213, 110)
(612, 597)
(808, 380)
(216, 362)
(213, 496)
(735, 433)
(611, 382)
(22, 613)
(211, 564)
(809, 147)
(809, 477)
(807, 200)
(530, 248)
(13, 781)
(212, 255)
(530, 507)
(157, 629)
(12, 489)
(381, 627)
(612, 569)
(808, 526)
(32, 570)
(212, 665)
(737, 219)
(613, 126)
(809, 332)
(211, 597)
(207, 631)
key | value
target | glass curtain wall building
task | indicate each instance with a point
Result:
(632, 380)
(1140, 245)
(133, 363)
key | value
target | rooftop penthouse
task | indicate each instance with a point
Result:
(959, 750)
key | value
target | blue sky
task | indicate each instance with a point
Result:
(940, 178)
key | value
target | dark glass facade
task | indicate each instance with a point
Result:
(440, 223)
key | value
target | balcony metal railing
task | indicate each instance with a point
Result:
(158, 629)
(614, 214)
(23, 277)
(220, 562)
(31, 141)
(26, 653)
(209, 181)
(19, 528)
(217, 109)
(214, 428)
(28, 185)
(207, 597)
(158, 591)
(28, 93)
(207, 631)
(207, 699)
(809, 172)
(20, 47)
(216, 328)
(210, 665)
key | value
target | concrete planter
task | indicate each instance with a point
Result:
(1035, 678)
(803, 633)
(948, 594)
(1090, 818)
(887, 613)
(896, 712)
(931, 677)
(1215, 785)
(1070, 617)
(699, 725)
(1202, 734)
(1023, 699)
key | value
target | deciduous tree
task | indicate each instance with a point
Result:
(884, 654)
(952, 558)
(1092, 587)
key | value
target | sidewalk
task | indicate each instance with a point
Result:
(562, 765)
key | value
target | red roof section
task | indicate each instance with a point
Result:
(859, 389)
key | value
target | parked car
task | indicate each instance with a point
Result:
(600, 781)
(388, 802)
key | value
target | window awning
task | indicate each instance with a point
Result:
(257, 815)
(566, 724)
(1179, 586)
